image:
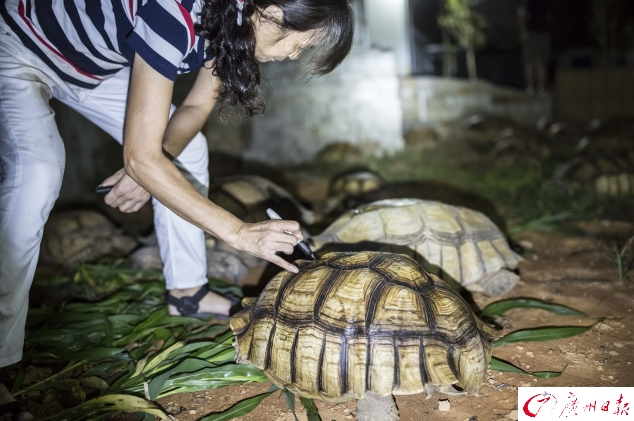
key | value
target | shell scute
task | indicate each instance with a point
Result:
(404, 271)
(340, 307)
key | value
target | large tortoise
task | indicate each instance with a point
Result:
(455, 243)
(248, 197)
(363, 326)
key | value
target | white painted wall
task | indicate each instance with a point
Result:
(388, 26)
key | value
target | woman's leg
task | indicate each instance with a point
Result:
(182, 245)
(32, 164)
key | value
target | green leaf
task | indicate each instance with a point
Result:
(238, 410)
(290, 401)
(19, 380)
(541, 334)
(119, 402)
(311, 409)
(92, 383)
(158, 359)
(156, 384)
(501, 307)
(500, 365)
(226, 339)
(105, 369)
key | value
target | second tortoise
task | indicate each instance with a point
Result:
(457, 244)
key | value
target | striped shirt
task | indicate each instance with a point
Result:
(87, 41)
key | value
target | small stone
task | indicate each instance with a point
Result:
(513, 415)
(444, 405)
(613, 353)
(521, 348)
(349, 417)
(192, 411)
(618, 344)
(600, 368)
(611, 377)
(550, 352)
(529, 354)
(492, 381)
(346, 411)
(526, 244)
(528, 366)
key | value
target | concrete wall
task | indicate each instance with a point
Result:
(429, 100)
(358, 103)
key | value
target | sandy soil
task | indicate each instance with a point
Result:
(574, 271)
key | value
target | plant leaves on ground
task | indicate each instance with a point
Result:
(311, 409)
(500, 307)
(541, 334)
(240, 409)
(125, 347)
(500, 365)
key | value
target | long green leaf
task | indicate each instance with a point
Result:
(500, 365)
(290, 402)
(156, 384)
(501, 307)
(19, 380)
(238, 410)
(541, 334)
(119, 402)
(311, 409)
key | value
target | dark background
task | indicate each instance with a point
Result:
(573, 41)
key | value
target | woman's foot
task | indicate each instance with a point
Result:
(184, 301)
(10, 410)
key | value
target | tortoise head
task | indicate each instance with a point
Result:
(240, 322)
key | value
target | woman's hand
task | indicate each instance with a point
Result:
(126, 194)
(264, 239)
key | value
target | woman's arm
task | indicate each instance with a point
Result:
(190, 117)
(146, 123)
(182, 127)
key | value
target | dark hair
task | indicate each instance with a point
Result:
(233, 46)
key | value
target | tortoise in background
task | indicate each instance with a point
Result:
(363, 326)
(434, 190)
(355, 182)
(77, 236)
(606, 175)
(455, 243)
(348, 185)
(248, 197)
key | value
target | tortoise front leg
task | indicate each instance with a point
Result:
(376, 408)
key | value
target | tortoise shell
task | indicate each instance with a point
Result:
(355, 182)
(455, 243)
(606, 175)
(248, 196)
(77, 236)
(353, 323)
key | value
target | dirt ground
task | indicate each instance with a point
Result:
(579, 272)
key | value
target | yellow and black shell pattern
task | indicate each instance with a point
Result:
(352, 323)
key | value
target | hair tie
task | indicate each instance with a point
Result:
(240, 5)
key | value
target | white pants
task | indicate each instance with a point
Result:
(32, 162)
